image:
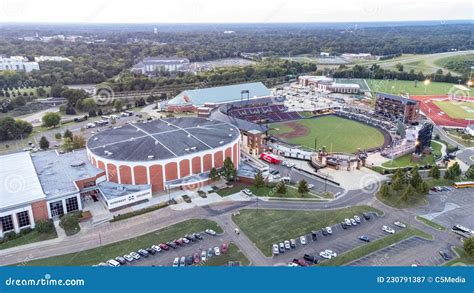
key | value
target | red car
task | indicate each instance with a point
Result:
(197, 259)
(164, 246)
(179, 242)
(302, 263)
(224, 248)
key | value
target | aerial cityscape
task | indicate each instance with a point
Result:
(243, 143)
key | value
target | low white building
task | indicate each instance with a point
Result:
(121, 195)
(52, 58)
(470, 130)
(153, 65)
(17, 63)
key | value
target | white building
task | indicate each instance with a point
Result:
(153, 65)
(52, 58)
(17, 63)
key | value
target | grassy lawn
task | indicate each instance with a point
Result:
(395, 199)
(442, 62)
(266, 227)
(405, 161)
(431, 223)
(439, 182)
(337, 134)
(374, 246)
(237, 186)
(462, 260)
(459, 110)
(455, 135)
(102, 254)
(267, 191)
(233, 254)
(33, 236)
(407, 86)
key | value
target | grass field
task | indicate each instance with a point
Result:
(431, 223)
(443, 61)
(407, 86)
(103, 253)
(458, 110)
(375, 245)
(266, 227)
(233, 254)
(337, 134)
(463, 260)
(33, 236)
(405, 161)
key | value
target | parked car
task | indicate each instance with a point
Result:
(314, 235)
(135, 255)
(182, 261)
(197, 259)
(348, 222)
(210, 253)
(310, 259)
(217, 251)
(163, 246)
(287, 245)
(357, 219)
(189, 260)
(150, 250)
(179, 242)
(399, 224)
(185, 240)
(324, 254)
(310, 186)
(444, 255)
(113, 263)
(366, 216)
(330, 252)
(324, 231)
(224, 247)
(303, 240)
(143, 252)
(329, 230)
(282, 247)
(121, 260)
(176, 262)
(247, 191)
(292, 243)
(275, 249)
(203, 256)
(211, 232)
(172, 244)
(388, 229)
(364, 238)
(343, 225)
(156, 248)
(198, 236)
(128, 257)
(353, 222)
(302, 263)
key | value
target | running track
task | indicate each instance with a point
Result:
(433, 112)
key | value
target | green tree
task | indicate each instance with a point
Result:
(397, 184)
(78, 141)
(88, 105)
(416, 179)
(303, 186)
(67, 144)
(213, 174)
(434, 172)
(57, 135)
(68, 134)
(258, 180)
(384, 190)
(51, 119)
(118, 104)
(469, 246)
(470, 172)
(423, 188)
(229, 169)
(280, 187)
(41, 92)
(408, 193)
(44, 143)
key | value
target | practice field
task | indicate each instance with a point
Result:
(397, 87)
(458, 110)
(364, 87)
(337, 134)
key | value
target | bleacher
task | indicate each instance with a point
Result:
(264, 113)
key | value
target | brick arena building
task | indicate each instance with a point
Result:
(164, 153)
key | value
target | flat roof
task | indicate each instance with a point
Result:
(111, 190)
(19, 183)
(406, 101)
(161, 139)
(221, 94)
(57, 172)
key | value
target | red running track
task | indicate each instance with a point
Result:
(433, 112)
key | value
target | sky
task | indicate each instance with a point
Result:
(235, 11)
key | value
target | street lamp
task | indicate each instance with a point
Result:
(426, 82)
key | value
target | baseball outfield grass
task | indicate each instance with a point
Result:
(337, 134)
(458, 110)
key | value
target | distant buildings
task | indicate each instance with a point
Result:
(17, 63)
(153, 65)
(328, 84)
(52, 58)
(358, 56)
(397, 108)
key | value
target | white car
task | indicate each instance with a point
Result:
(135, 255)
(399, 224)
(247, 191)
(217, 250)
(275, 249)
(287, 245)
(324, 254)
(292, 264)
(303, 240)
(329, 230)
(211, 232)
(113, 263)
(388, 229)
(156, 248)
(331, 253)
(357, 219)
(185, 240)
(348, 222)
(128, 258)
(310, 186)
(203, 256)
(176, 262)
(353, 222)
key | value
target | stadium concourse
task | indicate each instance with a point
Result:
(440, 118)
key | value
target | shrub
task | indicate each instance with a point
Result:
(44, 226)
(70, 223)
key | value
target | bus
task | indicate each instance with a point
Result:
(270, 158)
(464, 184)
(462, 229)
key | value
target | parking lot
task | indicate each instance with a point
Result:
(414, 250)
(165, 258)
(340, 241)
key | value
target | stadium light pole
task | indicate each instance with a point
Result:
(426, 82)
(315, 143)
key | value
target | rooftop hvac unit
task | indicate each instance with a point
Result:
(193, 148)
(221, 142)
(150, 157)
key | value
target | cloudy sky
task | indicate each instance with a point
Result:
(178, 11)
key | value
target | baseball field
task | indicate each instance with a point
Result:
(337, 134)
(457, 110)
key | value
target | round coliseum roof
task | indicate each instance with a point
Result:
(161, 139)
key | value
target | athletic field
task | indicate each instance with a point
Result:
(458, 110)
(397, 87)
(337, 134)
